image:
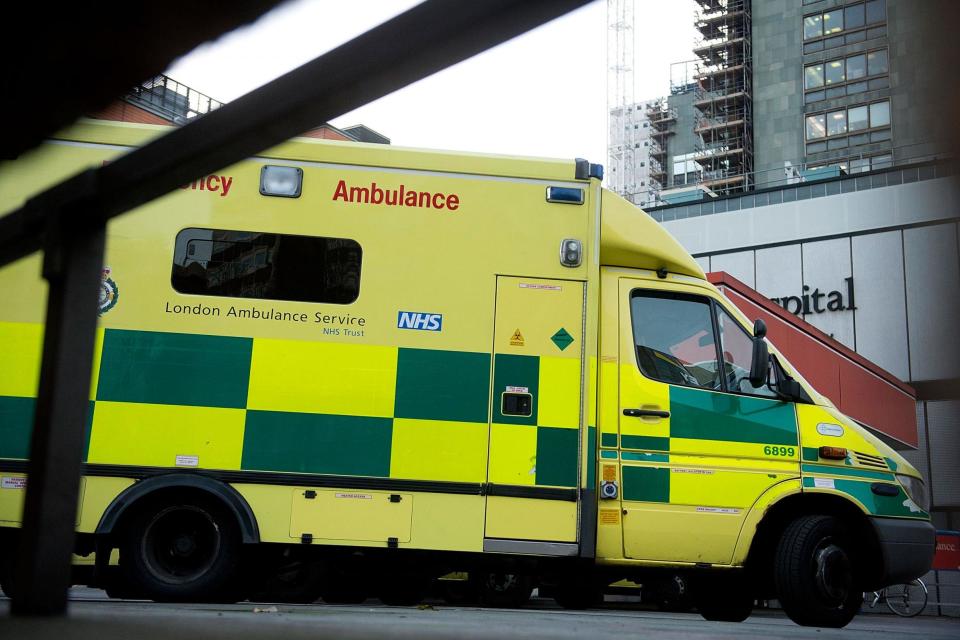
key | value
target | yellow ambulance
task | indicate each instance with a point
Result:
(345, 369)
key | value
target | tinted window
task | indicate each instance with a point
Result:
(272, 266)
(880, 114)
(836, 123)
(857, 118)
(856, 67)
(816, 126)
(674, 339)
(813, 76)
(877, 62)
(812, 26)
(853, 16)
(834, 72)
(876, 11)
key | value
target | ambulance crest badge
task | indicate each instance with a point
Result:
(109, 293)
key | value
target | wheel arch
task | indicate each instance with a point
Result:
(867, 555)
(178, 483)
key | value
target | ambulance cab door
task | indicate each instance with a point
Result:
(536, 416)
(697, 443)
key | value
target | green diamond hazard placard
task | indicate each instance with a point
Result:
(562, 339)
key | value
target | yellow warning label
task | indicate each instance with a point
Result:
(516, 339)
(609, 516)
(609, 473)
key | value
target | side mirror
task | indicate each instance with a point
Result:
(760, 360)
(759, 328)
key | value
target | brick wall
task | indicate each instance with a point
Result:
(125, 112)
(326, 133)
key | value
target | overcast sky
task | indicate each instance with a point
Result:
(542, 94)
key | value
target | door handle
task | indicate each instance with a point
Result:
(646, 413)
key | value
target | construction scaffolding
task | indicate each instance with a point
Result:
(662, 119)
(723, 98)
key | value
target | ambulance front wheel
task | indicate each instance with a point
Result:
(182, 550)
(814, 573)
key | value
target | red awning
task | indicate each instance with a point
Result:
(859, 388)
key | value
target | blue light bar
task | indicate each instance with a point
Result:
(565, 195)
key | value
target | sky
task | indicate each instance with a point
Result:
(541, 94)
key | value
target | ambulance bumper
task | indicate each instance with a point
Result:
(907, 547)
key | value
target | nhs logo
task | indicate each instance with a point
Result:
(419, 320)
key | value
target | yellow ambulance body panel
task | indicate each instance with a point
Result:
(403, 355)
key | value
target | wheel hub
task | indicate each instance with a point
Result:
(180, 544)
(184, 545)
(834, 575)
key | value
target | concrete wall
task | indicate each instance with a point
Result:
(777, 86)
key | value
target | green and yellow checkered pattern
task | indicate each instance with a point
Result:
(257, 404)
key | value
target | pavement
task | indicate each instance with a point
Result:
(92, 616)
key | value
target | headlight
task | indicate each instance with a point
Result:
(916, 491)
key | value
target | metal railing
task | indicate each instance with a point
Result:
(172, 99)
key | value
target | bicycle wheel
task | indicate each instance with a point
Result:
(908, 599)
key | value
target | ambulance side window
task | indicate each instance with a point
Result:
(674, 338)
(271, 266)
(737, 349)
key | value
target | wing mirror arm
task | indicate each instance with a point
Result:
(761, 364)
(786, 387)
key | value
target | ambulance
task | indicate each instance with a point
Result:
(342, 369)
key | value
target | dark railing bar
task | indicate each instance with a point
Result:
(68, 221)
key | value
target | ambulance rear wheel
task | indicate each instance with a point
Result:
(814, 573)
(182, 551)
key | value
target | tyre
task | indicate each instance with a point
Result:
(906, 600)
(185, 550)
(508, 590)
(814, 573)
(723, 598)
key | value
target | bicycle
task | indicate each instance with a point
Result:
(906, 600)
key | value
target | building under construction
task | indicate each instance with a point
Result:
(723, 98)
(662, 119)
